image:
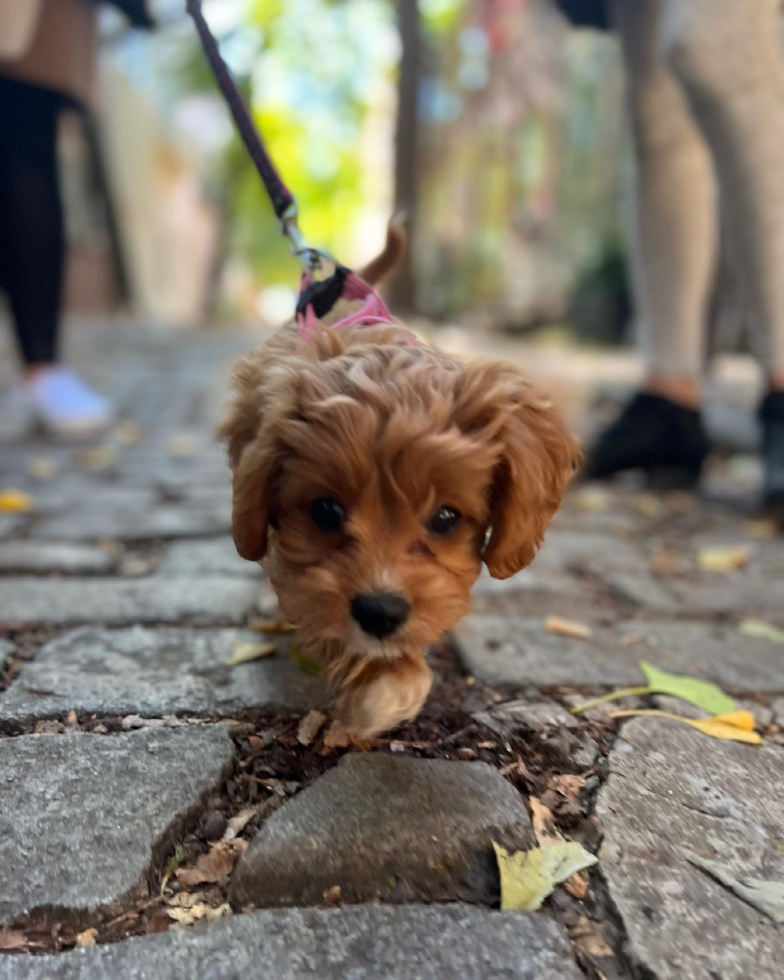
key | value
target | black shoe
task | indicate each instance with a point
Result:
(655, 435)
(772, 417)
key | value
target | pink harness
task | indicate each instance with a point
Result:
(372, 312)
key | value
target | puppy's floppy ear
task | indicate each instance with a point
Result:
(537, 458)
(252, 456)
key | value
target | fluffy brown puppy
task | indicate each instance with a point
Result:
(372, 476)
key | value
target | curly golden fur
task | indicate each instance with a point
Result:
(391, 431)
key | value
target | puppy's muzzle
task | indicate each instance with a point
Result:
(381, 614)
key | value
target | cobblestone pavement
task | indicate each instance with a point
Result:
(171, 815)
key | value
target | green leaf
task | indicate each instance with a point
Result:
(702, 694)
(304, 663)
(761, 630)
(528, 877)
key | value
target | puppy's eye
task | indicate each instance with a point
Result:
(328, 514)
(444, 521)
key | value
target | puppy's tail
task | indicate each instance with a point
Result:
(394, 248)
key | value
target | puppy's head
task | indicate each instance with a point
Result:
(374, 478)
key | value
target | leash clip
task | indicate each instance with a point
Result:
(311, 257)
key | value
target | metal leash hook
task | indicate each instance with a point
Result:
(311, 257)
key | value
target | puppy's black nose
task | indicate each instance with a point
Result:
(380, 615)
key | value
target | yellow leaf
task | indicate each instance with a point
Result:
(761, 630)
(593, 500)
(181, 446)
(528, 877)
(87, 938)
(567, 627)
(723, 559)
(15, 500)
(100, 458)
(245, 652)
(733, 727)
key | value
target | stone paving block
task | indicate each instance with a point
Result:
(213, 556)
(154, 673)
(117, 601)
(83, 817)
(198, 514)
(519, 651)
(672, 792)
(718, 653)
(372, 942)
(386, 828)
(706, 593)
(54, 556)
(10, 523)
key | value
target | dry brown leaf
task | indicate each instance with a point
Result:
(762, 530)
(332, 896)
(244, 652)
(127, 433)
(186, 900)
(337, 736)
(238, 823)
(187, 917)
(87, 938)
(568, 786)
(100, 458)
(12, 939)
(42, 467)
(212, 866)
(577, 885)
(310, 726)
(545, 830)
(648, 506)
(567, 627)
(272, 626)
(593, 500)
(589, 938)
(667, 562)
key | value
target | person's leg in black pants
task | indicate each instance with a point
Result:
(32, 256)
(32, 240)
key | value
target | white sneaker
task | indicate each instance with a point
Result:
(65, 405)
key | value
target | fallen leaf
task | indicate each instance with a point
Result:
(42, 467)
(272, 626)
(762, 530)
(16, 501)
(568, 786)
(211, 867)
(667, 562)
(87, 938)
(180, 446)
(761, 630)
(310, 726)
(127, 433)
(337, 737)
(702, 694)
(12, 939)
(238, 823)
(724, 559)
(593, 500)
(332, 896)
(528, 877)
(567, 627)
(244, 652)
(543, 823)
(100, 458)
(648, 506)
(766, 896)
(187, 917)
(733, 727)
(589, 938)
(577, 885)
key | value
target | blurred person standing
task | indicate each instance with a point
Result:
(705, 89)
(48, 54)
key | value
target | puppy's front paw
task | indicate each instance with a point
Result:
(384, 696)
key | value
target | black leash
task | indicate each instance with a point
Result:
(283, 201)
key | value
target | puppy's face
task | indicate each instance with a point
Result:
(375, 478)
